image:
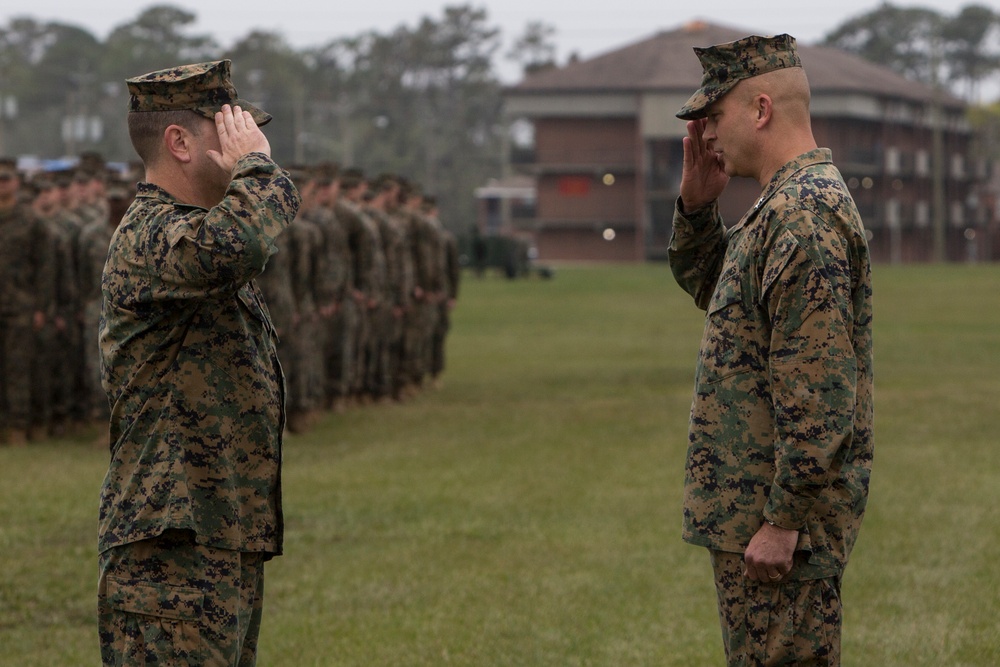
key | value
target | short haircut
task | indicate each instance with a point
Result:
(146, 128)
(383, 182)
(351, 178)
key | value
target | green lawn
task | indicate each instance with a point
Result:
(528, 512)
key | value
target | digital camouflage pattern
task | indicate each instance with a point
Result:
(451, 275)
(362, 276)
(95, 239)
(399, 283)
(57, 385)
(793, 622)
(27, 264)
(171, 601)
(302, 344)
(276, 285)
(190, 368)
(373, 357)
(335, 300)
(725, 65)
(426, 247)
(27, 287)
(203, 88)
(782, 416)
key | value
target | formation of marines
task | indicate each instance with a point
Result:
(360, 293)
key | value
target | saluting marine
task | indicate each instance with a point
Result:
(781, 436)
(191, 505)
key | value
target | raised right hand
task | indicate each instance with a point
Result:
(238, 136)
(703, 178)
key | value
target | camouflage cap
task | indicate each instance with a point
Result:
(725, 65)
(8, 167)
(118, 188)
(351, 177)
(203, 88)
(39, 183)
(61, 177)
(300, 175)
(326, 172)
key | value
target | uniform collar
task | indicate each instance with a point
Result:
(785, 174)
(144, 190)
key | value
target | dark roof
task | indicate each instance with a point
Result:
(666, 62)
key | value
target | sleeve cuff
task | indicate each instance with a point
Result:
(786, 510)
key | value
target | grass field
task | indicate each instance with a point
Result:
(528, 512)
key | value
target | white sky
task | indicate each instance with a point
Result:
(586, 27)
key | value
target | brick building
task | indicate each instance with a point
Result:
(603, 147)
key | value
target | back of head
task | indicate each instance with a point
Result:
(145, 130)
(789, 92)
(351, 178)
(180, 96)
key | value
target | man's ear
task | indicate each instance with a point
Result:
(178, 143)
(764, 109)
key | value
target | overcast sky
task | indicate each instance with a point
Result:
(585, 27)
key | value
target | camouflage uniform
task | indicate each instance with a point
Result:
(399, 282)
(304, 371)
(191, 504)
(375, 357)
(164, 585)
(424, 245)
(451, 274)
(95, 239)
(436, 289)
(337, 313)
(275, 284)
(782, 417)
(407, 283)
(362, 252)
(27, 274)
(62, 350)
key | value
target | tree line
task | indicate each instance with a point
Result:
(961, 51)
(424, 100)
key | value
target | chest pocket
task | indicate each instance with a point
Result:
(727, 345)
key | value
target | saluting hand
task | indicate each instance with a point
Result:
(703, 178)
(238, 136)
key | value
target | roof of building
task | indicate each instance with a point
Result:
(666, 62)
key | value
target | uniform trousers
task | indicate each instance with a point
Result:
(171, 601)
(18, 339)
(789, 622)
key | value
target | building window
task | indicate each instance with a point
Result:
(663, 167)
(892, 213)
(922, 213)
(957, 166)
(494, 215)
(892, 160)
(923, 164)
(521, 133)
(957, 214)
(574, 186)
(982, 169)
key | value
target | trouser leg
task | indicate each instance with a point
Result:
(793, 622)
(169, 600)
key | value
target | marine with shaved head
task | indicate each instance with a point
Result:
(780, 441)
